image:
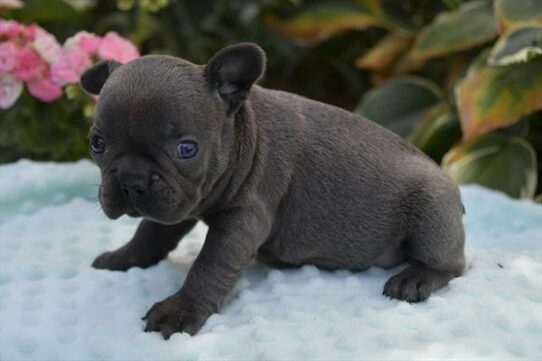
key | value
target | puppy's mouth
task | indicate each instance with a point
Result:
(150, 206)
(114, 205)
(134, 213)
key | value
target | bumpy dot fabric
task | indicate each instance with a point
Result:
(54, 306)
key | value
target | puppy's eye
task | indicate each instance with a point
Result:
(97, 145)
(187, 149)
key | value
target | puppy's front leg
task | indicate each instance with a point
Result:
(150, 244)
(231, 243)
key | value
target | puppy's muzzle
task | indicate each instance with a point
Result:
(133, 191)
(134, 185)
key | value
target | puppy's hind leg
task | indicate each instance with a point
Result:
(150, 244)
(435, 245)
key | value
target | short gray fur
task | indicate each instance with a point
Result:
(278, 177)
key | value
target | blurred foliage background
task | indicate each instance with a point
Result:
(462, 80)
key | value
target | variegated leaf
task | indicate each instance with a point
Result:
(470, 25)
(437, 132)
(400, 103)
(495, 161)
(519, 45)
(321, 20)
(491, 97)
(385, 53)
(511, 13)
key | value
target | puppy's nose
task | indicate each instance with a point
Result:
(134, 189)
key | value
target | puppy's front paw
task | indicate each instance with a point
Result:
(110, 261)
(114, 261)
(177, 313)
(122, 259)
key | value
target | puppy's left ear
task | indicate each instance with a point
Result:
(232, 71)
(94, 78)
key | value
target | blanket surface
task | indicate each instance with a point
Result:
(53, 306)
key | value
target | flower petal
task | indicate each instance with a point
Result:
(8, 56)
(10, 90)
(115, 47)
(47, 46)
(45, 89)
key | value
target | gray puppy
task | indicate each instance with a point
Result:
(275, 176)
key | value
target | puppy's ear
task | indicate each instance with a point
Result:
(233, 70)
(94, 78)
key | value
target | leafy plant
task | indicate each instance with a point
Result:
(463, 83)
(459, 79)
(194, 30)
(45, 131)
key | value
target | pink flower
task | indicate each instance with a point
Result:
(30, 31)
(89, 43)
(115, 47)
(84, 40)
(45, 89)
(29, 65)
(11, 29)
(32, 55)
(70, 66)
(47, 46)
(10, 90)
(8, 57)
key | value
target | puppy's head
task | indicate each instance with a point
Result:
(163, 132)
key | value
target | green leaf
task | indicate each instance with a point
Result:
(492, 97)
(46, 11)
(471, 25)
(437, 132)
(43, 131)
(400, 103)
(322, 20)
(520, 45)
(534, 130)
(511, 13)
(410, 15)
(385, 53)
(495, 161)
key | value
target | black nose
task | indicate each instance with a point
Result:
(133, 189)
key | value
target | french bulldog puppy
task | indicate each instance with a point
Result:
(276, 177)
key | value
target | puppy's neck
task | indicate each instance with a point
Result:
(240, 166)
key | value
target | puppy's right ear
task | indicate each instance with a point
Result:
(94, 78)
(233, 70)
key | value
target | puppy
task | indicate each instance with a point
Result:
(275, 176)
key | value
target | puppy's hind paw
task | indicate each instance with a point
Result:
(415, 283)
(407, 289)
